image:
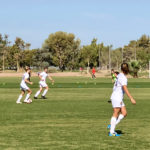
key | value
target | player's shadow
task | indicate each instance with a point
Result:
(120, 132)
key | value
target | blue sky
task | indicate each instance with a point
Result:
(113, 22)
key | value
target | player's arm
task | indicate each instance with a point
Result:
(27, 81)
(112, 78)
(128, 94)
(51, 79)
(40, 78)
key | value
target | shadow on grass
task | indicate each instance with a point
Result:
(119, 132)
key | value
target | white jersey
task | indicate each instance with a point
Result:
(24, 77)
(118, 91)
(43, 76)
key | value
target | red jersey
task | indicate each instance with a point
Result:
(93, 70)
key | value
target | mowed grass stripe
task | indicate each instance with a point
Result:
(72, 118)
(74, 82)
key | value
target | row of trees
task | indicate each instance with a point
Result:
(16, 55)
(135, 51)
(63, 50)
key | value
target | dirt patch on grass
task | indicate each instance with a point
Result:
(104, 73)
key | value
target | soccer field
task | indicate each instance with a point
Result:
(74, 117)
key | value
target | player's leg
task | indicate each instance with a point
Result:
(92, 76)
(20, 97)
(28, 95)
(122, 114)
(44, 93)
(113, 121)
(38, 92)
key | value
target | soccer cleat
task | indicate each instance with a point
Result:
(27, 102)
(18, 102)
(43, 97)
(108, 127)
(35, 97)
(114, 134)
(109, 101)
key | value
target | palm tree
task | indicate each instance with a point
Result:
(134, 68)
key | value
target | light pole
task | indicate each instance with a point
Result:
(135, 52)
(110, 57)
(122, 54)
(99, 58)
(3, 57)
(149, 68)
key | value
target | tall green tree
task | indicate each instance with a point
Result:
(94, 55)
(63, 48)
(104, 56)
(41, 58)
(116, 56)
(4, 48)
(19, 47)
(134, 68)
(28, 57)
(143, 51)
(19, 54)
(89, 54)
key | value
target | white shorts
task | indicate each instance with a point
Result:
(43, 84)
(117, 103)
(24, 87)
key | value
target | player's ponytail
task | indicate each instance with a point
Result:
(27, 68)
(125, 68)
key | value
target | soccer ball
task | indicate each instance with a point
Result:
(29, 100)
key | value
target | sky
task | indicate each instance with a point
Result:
(113, 22)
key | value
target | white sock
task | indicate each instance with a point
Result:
(19, 98)
(119, 118)
(37, 93)
(113, 125)
(27, 97)
(45, 91)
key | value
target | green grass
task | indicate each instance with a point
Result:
(75, 116)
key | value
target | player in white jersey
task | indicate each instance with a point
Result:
(116, 73)
(24, 87)
(119, 109)
(43, 84)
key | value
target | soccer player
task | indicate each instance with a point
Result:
(43, 84)
(114, 78)
(24, 87)
(116, 73)
(93, 73)
(119, 109)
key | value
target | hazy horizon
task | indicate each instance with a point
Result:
(112, 22)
